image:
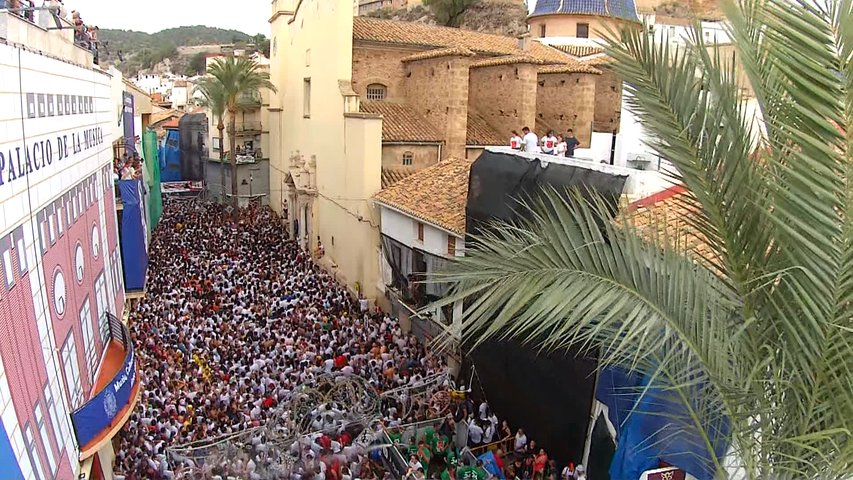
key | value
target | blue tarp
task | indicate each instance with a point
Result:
(658, 428)
(491, 465)
(134, 248)
(170, 158)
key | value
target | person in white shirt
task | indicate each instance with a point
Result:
(561, 148)
(530, 141)
(549, 142)
(515, 141)
(520, 441)
(475, 434)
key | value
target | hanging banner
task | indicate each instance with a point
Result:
(133, 235)
(127, 121)
(97, 415)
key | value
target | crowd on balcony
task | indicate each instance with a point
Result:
(127, 167)
(85, 36)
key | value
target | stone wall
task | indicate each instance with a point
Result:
(379, 65)
(608, 102)
(437, 88)
(567, 100)
(424, 156)
(505, 95)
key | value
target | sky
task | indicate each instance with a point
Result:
(151, 16)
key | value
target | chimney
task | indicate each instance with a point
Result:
(524, 42)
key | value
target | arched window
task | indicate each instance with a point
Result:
(408, 157)
(376, 91)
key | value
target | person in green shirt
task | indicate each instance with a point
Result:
(449, 473)
(480, 471)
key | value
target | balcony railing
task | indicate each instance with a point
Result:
(249, 127)
(116, 387)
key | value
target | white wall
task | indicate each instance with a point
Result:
(404, 229)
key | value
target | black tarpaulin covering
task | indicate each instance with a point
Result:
(550, 396)
(499, 180)
(193, 131)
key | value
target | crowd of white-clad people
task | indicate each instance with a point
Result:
(235, 318)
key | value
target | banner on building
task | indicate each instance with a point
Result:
(97, 415)
(133, 235)
(127, 120)
(152, 165)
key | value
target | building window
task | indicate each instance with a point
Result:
(7, 267)
(72, 371)
(41, 426)
(89, 339)
(451, 245)
(408, 157)
(306, 98)
(583, 30)
(215, 144)
(101, 300)
(35, 457)
(376, 91)
(420, 231)
(53, 413)
(542, 31)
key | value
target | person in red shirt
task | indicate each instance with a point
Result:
(539, 464)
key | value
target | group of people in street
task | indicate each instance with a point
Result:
(550, 144)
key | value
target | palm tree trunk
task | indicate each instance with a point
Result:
(221, 128)
(232, 140)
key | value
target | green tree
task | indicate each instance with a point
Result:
(262, 43)
(197, 64)
(757, 313)
(449, 13)
(241, 80)
(214, 99)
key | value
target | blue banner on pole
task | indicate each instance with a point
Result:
(99, 413)
(134, 249)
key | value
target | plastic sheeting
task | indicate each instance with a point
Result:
(134, 248)
(549, 395)
(152, 164)
(170, 158)
(193, 128)
(656, 427)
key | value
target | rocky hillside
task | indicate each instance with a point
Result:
(504, 18)
(132, 52)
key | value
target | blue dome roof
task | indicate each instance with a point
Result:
(623, 9)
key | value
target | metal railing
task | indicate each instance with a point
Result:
(117, 330)
(243, 127)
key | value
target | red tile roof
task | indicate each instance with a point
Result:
(401, 123)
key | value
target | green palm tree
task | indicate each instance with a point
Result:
(213, 98)
(757, 311)
(241, 80)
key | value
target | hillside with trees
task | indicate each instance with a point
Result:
(133, 52)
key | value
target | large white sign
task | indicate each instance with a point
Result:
(57, 117)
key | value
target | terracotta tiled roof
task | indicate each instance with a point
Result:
(390, 176)
(164, 115)
(481, 133)
(597, 60)
(569, 68)
(423, 35)
(665, 216)
(579, 50)
(508, 60)
(439, 52)
(436, 194)
(401, 123)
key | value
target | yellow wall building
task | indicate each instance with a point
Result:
(325, 155)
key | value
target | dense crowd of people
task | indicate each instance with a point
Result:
(234, 319)
(237, 318)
